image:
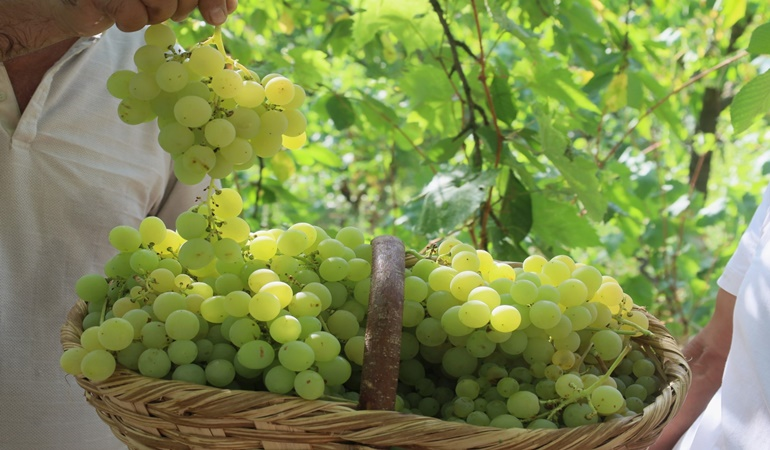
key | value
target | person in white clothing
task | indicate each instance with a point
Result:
(728, 404)
(70, 171)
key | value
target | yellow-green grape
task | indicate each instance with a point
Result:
(281, 290)
(466, 260)
(533, 263)
(263, 247)
(97, 365)
(234, 228)
(148, 58)
(296, 123)
(134, 111)
(607, 400)
(572, 292)
(143, 86)
(172, 76)
(226, 83)
(246, 122)
(474, 314)
(463, 283)
(198, 159)
(279, 90)
(250, 95)
(117, 83)
(160, 35)
(175, 138)
(192, 111)
(505, 318)
(264, 306)
(294, 142)
(556, 270)
(206, 61)
(608, 344)
(299, 98)
(219, 132)
(239, 151)
(71, 359)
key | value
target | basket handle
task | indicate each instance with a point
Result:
(382, 348)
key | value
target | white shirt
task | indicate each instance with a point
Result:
(738, 417)
(69, 172)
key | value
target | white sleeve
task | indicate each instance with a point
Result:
(732, 278)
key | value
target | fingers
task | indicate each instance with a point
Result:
(215, 12)
(132, 15)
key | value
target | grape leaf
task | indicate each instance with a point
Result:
(340, 111)
(759, 44)
(752, 100)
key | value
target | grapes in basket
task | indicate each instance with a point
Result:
(548, 343)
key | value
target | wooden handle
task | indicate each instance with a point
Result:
(382, 350)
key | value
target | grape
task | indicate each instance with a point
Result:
(309, 385)
(206, 61)
(279, 380)
(220, 372)
(279, 90)
(523, 404)
(334, 269)
(244, 330)
(91, 288)
(115, 334)
(97, 365)
(524, 292)
(117, 84)
(293, 242)
(474, 314)
(226, 83)
(463, 283)
(196, 253)
(219, 132)
(285, 329)
(296, 356)
(607, 400)
(192, 111)
(250, 95)
(182, 325)
(71, 359)
(457, 361)
(608, 344)
(505, 318)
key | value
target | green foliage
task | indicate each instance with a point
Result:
(571, 126)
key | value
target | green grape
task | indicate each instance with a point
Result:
(239, 151)
(154, 363)
(562, 328)
(479, 345)
(198, 159)
(505, 318)
(463, 283)
(137, 318)
(263, 247)
(161, 280)
(322, 292)
(71, 359)
(572, 292)
(505, 421)
(223, 350)
(279, 380)
(91, 288)
(220, 372)
(415, 288)
(463, 406)
(474, 314)
(354, 350)
(226, 83)
(298, 99)
(467, 387)
(196, 253)
(244, 330)
(608, 344)
(305, 304)
(266, 143)
(309, 385)
(329, 247)
(182, 352)
(154, 335)
(190, 373)
(148, 58)
(206, 61)
(260, 277)
(413, 313)
(524, 292)
(439, 302)
(544, 314)
(256, 354)
(533, 263)
(556, 271)
(125, 238)
(234, 228)
(579, 316)
(590, 276)
(334, 269)
(123, 305)
(507, 386)
(296, 123)
(129, 356)
(236, 303)
(567, 384)
(246, 122)
(325, 346)
(279, 90)
(466, 261)
(228, 251)
(451, 323)
(539, 349)
(97, 365)
(134, 111)
(607, 400)
(115, 334)
(191, 225)
(182, 325)
(143, 86)
(609, 294)
(636, 390)
(523, 404)
(293, 242)
(250, 95)
(487, 295)
(410, 372)
(143, 261)
(272, 123)
(430, 332)
(478, 418)
(644, 368)
(296, 356)
(172, 76)
(281, 290)
(219, 132)
(213, 309)
(160, 35)
(294, 142)
(457, 361)
(117, 84)
(166, 303)
(285, 329)
(152, 230)
(192, 111)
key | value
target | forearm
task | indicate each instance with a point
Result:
(707, 370)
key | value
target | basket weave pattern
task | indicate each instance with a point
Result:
(148, 413)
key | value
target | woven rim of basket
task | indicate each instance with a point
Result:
(151, 413)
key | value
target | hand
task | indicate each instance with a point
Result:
(89, 17)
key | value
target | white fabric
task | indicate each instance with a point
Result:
(738, 417)
(69, 173)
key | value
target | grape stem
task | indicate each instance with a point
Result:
(585, 392)
(644, 331)
(219, 43)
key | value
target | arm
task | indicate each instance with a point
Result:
(26, 26)
(707, 354)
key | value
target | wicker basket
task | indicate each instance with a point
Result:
(147, 413)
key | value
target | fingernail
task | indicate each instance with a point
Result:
(218, 16)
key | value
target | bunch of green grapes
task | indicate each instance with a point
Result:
(211, 302)
(545, 345)
(214, 115)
